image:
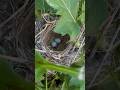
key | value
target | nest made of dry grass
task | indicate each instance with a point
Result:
(65, 57)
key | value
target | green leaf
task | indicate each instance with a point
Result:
(68, 10)
(41, 5)
(39, 74)
(77, 84)
(81, 14)
(39, 71)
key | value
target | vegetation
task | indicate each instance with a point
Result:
(71, 14)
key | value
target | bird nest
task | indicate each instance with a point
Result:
(66, 53)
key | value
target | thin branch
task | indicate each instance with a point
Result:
(104, 31)
(14, 59)
(12, 16)
(105, 57)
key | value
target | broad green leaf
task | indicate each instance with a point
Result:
(39, 74)
(76, 84)
(41, 5)
(39, 71)
(68, 10)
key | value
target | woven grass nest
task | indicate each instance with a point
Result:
(67, 53)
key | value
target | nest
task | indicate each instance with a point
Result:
(67, 53)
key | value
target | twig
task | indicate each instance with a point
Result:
(14, 59)
(79, 50)
(26, 19)
(105, 57)
(12, 16)
(80, 36)
(104, 31)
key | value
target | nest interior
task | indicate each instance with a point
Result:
(51, 36)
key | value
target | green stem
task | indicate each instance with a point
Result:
(62, 69)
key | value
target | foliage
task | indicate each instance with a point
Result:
(71, 16)
(68, 10)
(42, 65)
(81, 12)
(41, 7)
